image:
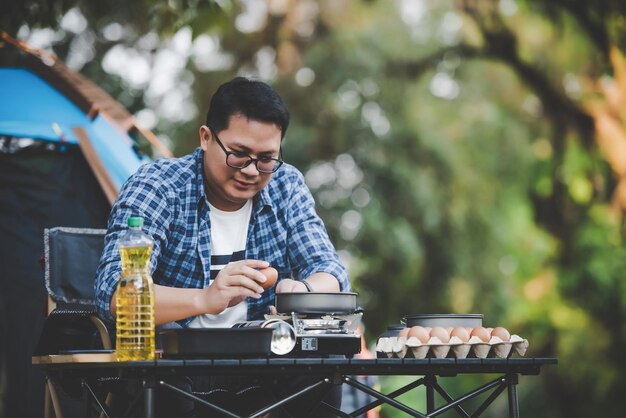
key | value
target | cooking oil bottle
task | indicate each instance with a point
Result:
(135, 296)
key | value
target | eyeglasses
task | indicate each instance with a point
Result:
(241, 160)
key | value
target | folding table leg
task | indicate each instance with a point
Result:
(512, 380)
(430, 380)
(148, 398)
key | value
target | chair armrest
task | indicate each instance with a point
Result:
(105, 337)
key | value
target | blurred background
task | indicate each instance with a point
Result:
(467, 156)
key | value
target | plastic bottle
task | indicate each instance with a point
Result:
(135, 296)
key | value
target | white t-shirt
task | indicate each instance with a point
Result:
(229, 233)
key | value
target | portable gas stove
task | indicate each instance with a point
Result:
(324, 333)
(323, 323)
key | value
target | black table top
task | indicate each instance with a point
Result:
(286, 365)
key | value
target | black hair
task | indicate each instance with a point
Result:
(253, 99)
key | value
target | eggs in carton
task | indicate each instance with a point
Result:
(462, 342)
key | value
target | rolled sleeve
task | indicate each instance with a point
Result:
(310, 248)
(137, 198)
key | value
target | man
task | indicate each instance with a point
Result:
(221, 213)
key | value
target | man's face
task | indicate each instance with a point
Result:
(229, 188)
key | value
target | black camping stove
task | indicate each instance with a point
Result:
(324, 333)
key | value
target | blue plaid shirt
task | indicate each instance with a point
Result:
(169, 194)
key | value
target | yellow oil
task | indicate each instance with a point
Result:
(136, 258)
(135, 306)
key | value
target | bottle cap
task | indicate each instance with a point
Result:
(135, 221)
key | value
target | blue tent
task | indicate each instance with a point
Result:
(38, 110)
(66, 147)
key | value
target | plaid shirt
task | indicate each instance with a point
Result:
(169, 194)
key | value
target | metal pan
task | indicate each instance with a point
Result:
(316, 303)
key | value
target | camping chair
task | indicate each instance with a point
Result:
(71, 257)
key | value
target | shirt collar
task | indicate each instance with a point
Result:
(262, 199)
(199, 156)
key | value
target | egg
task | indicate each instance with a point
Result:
(420, 333)
(481, 333)
(441, 333)
(271, 275)
(404, 332)
(501, 333)
(461, 333)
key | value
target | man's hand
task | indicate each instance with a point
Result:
(233, 284)
(319, 282)
(290, 286)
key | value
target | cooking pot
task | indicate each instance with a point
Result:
(316, 302)
(444, 320)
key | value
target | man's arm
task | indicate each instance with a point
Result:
(311, 253)
(171, 303)
(137, 197)
(233, 284)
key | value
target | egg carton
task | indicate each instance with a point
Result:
(401, 347)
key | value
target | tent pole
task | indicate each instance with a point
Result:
(94, 161)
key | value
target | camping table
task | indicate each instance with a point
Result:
(91, 367)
